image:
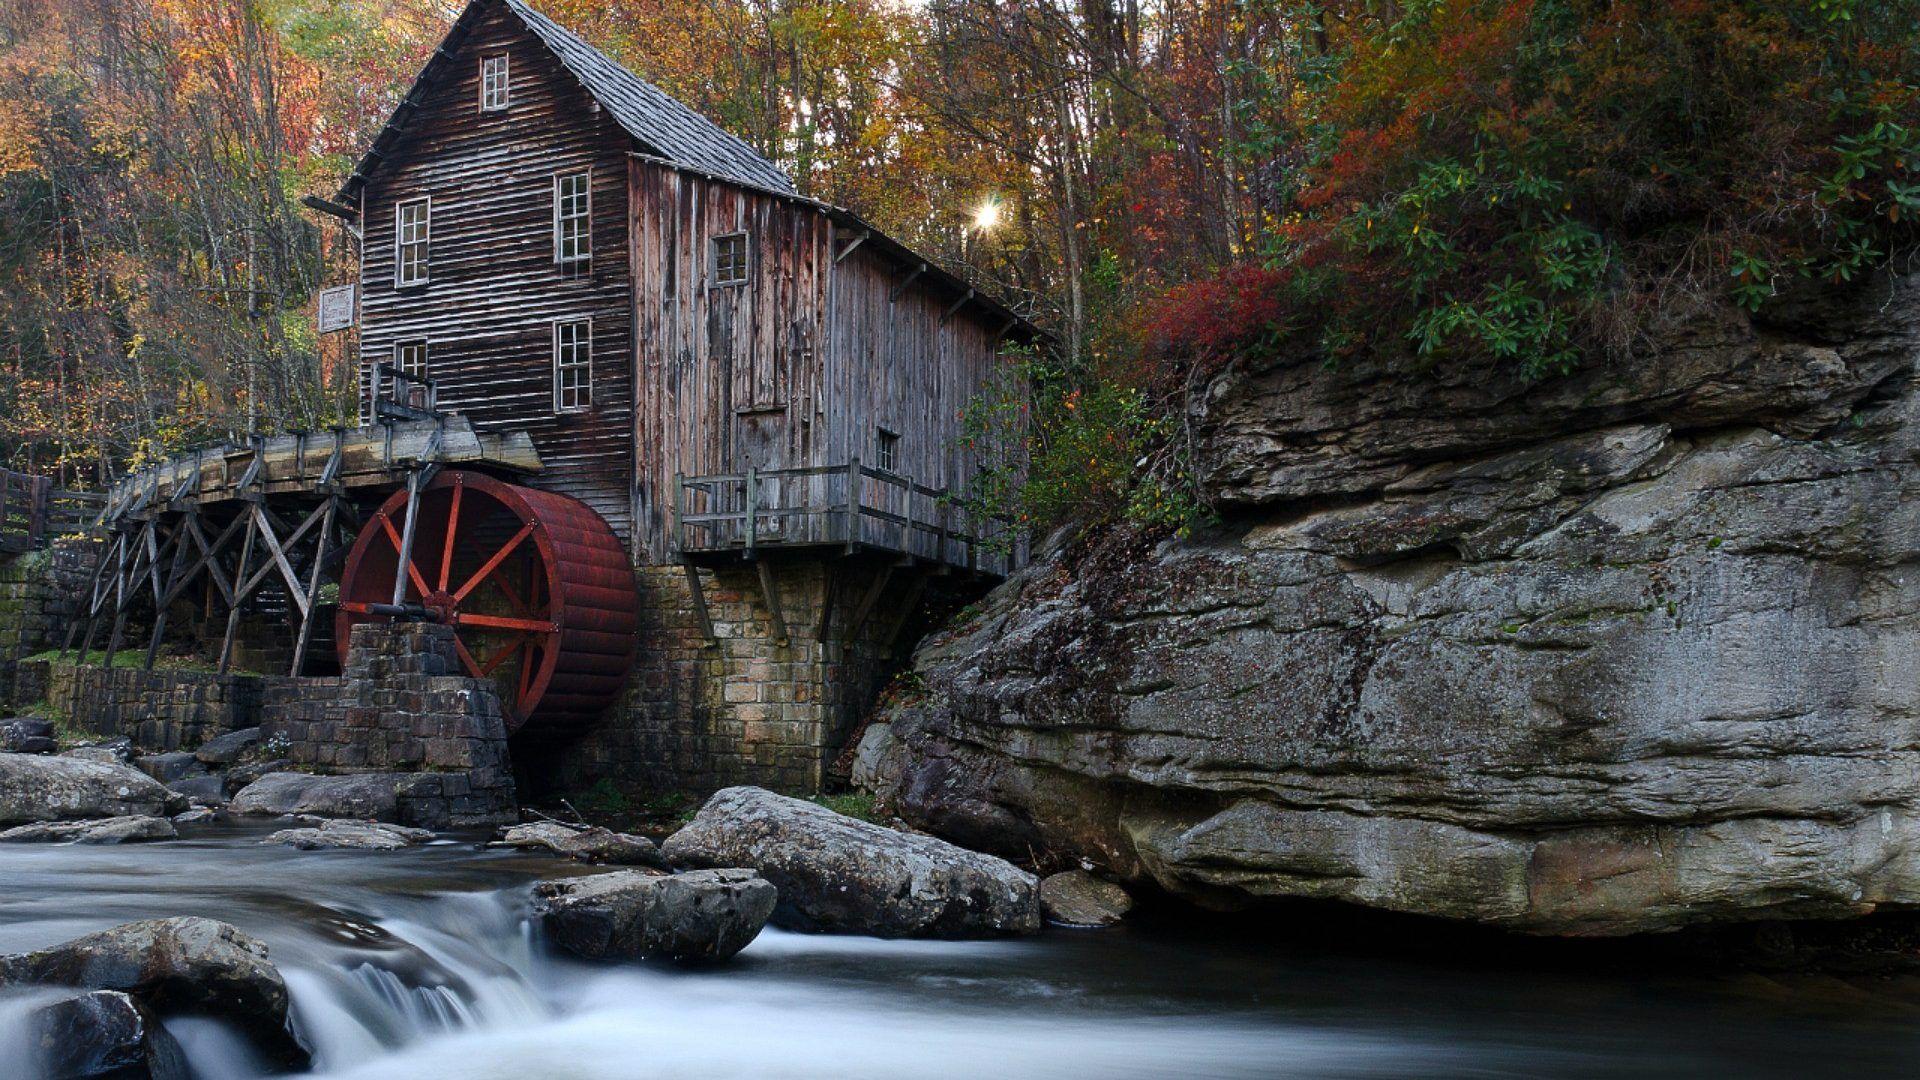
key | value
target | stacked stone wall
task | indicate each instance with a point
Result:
(160, 710)
(40, 592)
(740, 707)
(401, 706)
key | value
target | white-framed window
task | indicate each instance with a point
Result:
(410, 359)
(412, 226)
(730, 259)
(572, 217)
(572, 365)
(886, 450)
(495, 90)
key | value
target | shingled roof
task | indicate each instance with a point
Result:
(661, 125)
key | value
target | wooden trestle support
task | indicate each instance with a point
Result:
(280, 510)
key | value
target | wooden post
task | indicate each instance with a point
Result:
(853, 504)
(940, 550)
(699, 601)
(401, 568)
(753, 510)
(772, 594)
(679, 511)
(164, 600)
(40, 491)
(313, 587)
(239, 597)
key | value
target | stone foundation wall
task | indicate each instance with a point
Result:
(702, 713)
(160, 710)
(401, 706)
(39, 594)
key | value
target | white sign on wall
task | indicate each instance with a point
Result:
(336, 308)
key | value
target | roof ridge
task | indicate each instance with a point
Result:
(651, 115)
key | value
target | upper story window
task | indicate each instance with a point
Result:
(572, 217)
(730, 259)
(495, 90)
(572, 365)
(412, 222)
(886, 450)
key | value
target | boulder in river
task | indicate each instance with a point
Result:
(226, 749)
(1077, 898)
(171, 766)
(182, 964)
(40, 788)
(27, 735)
(839, 874)
(702, 916)
(586, 843)
(113, 830)
(360, 835)
(205, 790)
(364, 796)
(106, 1034)
(117, 751)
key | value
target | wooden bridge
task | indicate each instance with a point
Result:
(33, 513)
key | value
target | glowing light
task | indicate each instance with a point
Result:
(986, 215)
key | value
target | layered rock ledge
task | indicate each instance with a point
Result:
(1623, 653)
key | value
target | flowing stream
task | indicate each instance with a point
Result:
(422, 964)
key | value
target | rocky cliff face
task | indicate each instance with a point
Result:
(1617, 653)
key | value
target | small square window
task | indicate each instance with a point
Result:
(412, 225)
(495, 91)
(410, 360)
(730, 259)
(886, 451)
(573, 365)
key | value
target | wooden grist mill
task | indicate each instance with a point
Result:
(536, 586)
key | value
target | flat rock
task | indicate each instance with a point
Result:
(168, 767)
(27, 735)
(1077, 898)
(199, 815)
(363, 796)
(835, 873)
(702, 916)
(587, 844)
(228, 748)
(208, 790)
(106, 1034)
(360, 835)
(182, 964)
(40, 788)
(113, 830)
(112, 752)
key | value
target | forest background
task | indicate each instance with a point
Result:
(1170, 187)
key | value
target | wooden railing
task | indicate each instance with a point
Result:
(400, 396)
(853, 505)
(33, 511)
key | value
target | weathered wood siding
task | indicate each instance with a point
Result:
(727, 374)
(801, 365)
(495, 290)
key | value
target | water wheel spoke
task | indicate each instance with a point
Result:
(413, 572)
(466, 658)
(492, 663)
(494, 563)
(503, 622)
(526, 671)
(520, 607)
(453, 530)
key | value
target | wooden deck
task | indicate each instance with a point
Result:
(854, 507)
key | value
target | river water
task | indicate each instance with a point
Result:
(421, 964)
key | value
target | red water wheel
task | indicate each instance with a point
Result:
(536, 586)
